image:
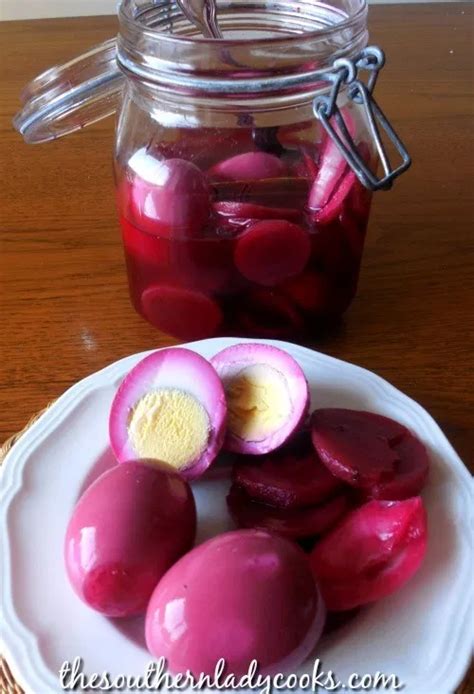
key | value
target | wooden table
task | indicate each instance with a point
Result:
(64, 297)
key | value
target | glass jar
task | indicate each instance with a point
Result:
(242, 212)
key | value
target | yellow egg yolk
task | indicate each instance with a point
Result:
(169, 425)
(258, 402)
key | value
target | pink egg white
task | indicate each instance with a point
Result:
(267, 396)
(171, 408)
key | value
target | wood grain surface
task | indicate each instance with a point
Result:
(64, 301)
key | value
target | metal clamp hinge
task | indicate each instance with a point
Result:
(345, 73)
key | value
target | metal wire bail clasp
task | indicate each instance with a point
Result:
(345, 73)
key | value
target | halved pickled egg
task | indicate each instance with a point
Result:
(170, 408)
(267, 396)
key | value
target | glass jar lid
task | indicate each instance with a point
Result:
(156, 38)
(69, 97)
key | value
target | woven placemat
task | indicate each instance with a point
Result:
(8, 684)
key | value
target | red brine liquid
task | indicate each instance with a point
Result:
(255, 243)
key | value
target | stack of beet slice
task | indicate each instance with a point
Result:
(350, 481)
(291, 494)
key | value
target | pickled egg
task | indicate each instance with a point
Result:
(170, 407)
(126, 530)
(243, 595)
(267, 396)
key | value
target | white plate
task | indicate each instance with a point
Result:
(423, 634)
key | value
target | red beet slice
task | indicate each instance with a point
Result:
(206, 264)
(310, 291)
(411, 471)
(145, 247)
(322, 295)
(267, 313)
(371, 553)
(182, 313)
(357, 447)
(331, 169)
(298, 445)
(248, 166)
(285, 481)
(237, 215)
(293, 524)
(271, 251)
(168, 197)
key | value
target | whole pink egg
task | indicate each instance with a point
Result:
(243, 595)
(126, 530)
(168, 197)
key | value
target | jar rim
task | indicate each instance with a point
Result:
(127, 19)
(249, 60)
